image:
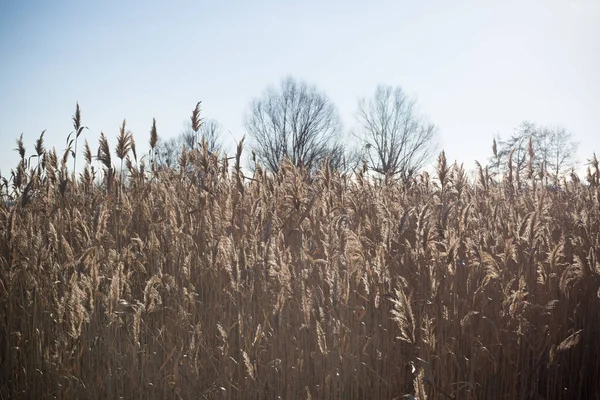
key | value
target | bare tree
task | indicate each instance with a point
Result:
(210, 131)
(168, 151)
(550, 151)
(296, 121)
(344, 157)
(517, 147)
(559, 152)
(397, 141)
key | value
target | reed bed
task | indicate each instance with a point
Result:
(204, 283)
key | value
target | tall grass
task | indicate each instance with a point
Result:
(201, 282)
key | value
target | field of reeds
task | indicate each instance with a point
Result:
(205, 283)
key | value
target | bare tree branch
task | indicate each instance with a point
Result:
(210, 131)
(396, 140)
(552, 151)
(295, 121)
(168, 151)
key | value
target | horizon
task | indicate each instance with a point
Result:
(476, 73)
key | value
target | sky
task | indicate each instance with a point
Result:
(477, 68)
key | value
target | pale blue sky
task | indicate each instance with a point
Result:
(478, 68)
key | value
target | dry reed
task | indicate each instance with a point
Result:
(204, 283)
